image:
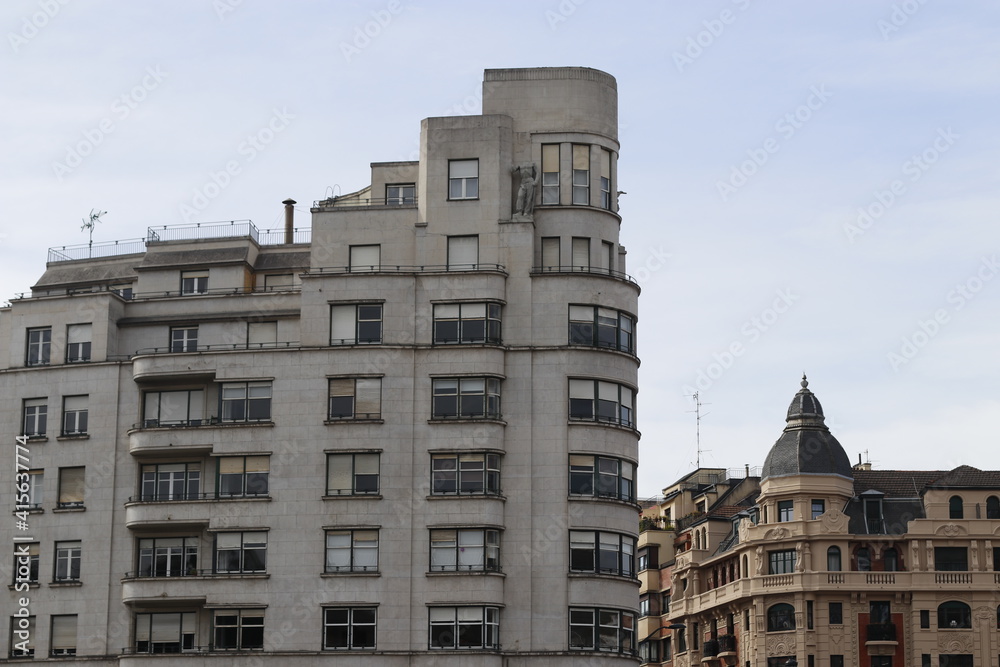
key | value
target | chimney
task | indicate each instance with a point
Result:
(289, 220)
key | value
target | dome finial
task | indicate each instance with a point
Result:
(805, 382)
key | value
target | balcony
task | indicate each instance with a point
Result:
(189, 514)
(727, 647)
(190, 590)
(881, 639)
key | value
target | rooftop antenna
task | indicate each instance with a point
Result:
(698, 416)
(89, 224)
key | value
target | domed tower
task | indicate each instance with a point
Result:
(807, 471)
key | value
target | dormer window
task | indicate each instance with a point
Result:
(873, 514)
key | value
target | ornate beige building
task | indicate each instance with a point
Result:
(828, 565)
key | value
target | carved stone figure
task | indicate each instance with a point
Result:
(524, 206)
(760, 560)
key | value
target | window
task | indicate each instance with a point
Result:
(780, 617)
(77, 343)
(168, 557)
(601, 630)
(238, 629)
(241, 552)
(173, 408)
(463, 253)
(194, 282)
(246, 401)
(26, 562)
(35, 417)
(581, 253)
(873, 516)
(366, 257)
(600, 552)
(925, 618)
(955, 507)
(402, 194)
(22, 637)
(818, 508)
(356, 324)
(74, 415)
(993, 507)
(601, 327)
(781, 562)
(352, 474)
(955, 660)
(355, 398)
(170, 481)
(890, 560)
(466, 323)
(241, 476)
(606, 179)
(647, 605)
(68, 556)
(608, 256)
(809, 615)
(466, 398)
(836, 613)
(39, 346)
(954, 615)
(354, 550)
(62, 636)
(184, 339)
(786, 510)
(474, 473)
(596, 400)
(124, 291)
(463, 179)
(833, 563)
(581, 174)
(348, 628)
(550, 174)
(464, 627)
(601, 476)
(261, 335)
(951, 559)
(465, 550)
(170, 632)
(71, 487)
(648, 557)
(28, 489)
(864, 558)
(278, 282)
(879, 612)
(836, 661)
(550, 253)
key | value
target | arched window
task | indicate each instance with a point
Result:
(993, 507)
(781, 617)
(833, 559)
(697, 539)
(890, 559)
(955, 507)
(864, 559)
(954, 615)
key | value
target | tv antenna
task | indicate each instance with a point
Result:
(88, 225)
(698, 416)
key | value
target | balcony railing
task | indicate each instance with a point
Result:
(221, 347)
(727, 643)
(68, 253)
(592, 270)
(710, 648)
(348, 201)
(402, 268)
(881, 632)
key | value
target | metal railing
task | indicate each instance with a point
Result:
(592, 270)
(202, 230)
(104, 249)
(219, 347)
(727, 644)
(881, 632)
(710, 648)
(401, 268)
(348, 201)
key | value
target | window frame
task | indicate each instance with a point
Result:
(184, 338)
(239, 409)
(956, 507)
(592, 331)
(491, 321)
(350, 625)
(580, 177)
(72, 490)
(32, 631)
(781, 561)
(400, 197)
(186, 640)
(194, 408)
(355, 476)
(447, 549)
(836, 613)
(56, 651)
(954, 611)
(248, 478)
(194, 282)
(600, 475)
(465, 482)
(190, 481)
(455, 253)
(34, 550)
(550, 179)
(68, 561)
(359, 544)
(82, 348)
(606, 198)
(780, 617)
(38, 417)
(467, 186)
(489, 398)
(624, 641)
(38, 346)
(834, 557)
(488, 624)
(624, 415)
(182, 562)
(364, 322)
(240, 627)
(817, 508)
(247, 547)
(75, 420)
(370, 390)
(356, 264)
(948, 557)
(786, 511)
(594, 544)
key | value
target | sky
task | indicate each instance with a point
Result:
(811, 187)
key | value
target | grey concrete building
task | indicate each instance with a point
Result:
(403, 436)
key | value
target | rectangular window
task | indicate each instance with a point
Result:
(71, 487)
(601, 476)
(170, 481)
(352, 550)
(39, 346)
(648, 558)
(925, 618)
(781, 562)
(601, 630)
(35, 417)
(348, 628)
(352, 474)
(194, 282)
(278, 282)
(456, 323)
(169, 632)
(401, 194)
(786, 511)
(242, 476)
(466, 398)
(246, 401)
(26, 563)
(581, 253)
(836, 613)
(184, 339)
(173, 408)
(581, 175)
(596, 400)
(465, 550)
(262, 335)
(464, 627)
(873, 515)
(463, 253)
(366, 258)
(78, 339)
(550, 253)
(238, 629)
(550, 174)
(608, 257)
(463, 179)
(124, 291)
(355, 398)
(810, 622)
(601, 327)
(950, 660)
(74, 415)
(818, 508)
(356, 324)
(606, 179)
(68, 556)
(240, 552)
(22, 637)
(600, 552)
(836, 661)
(168, 557)
(951, 559)
(474, 473)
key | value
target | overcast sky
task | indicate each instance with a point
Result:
(811, 186)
